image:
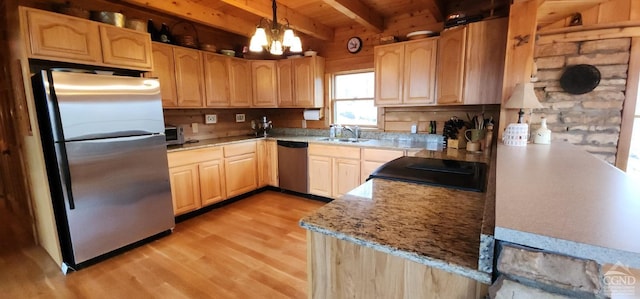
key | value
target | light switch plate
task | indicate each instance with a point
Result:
(210, 118)
(194, 127)
(240, 118)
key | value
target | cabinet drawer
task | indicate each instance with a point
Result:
(194, 156)
(347, 152)
(380, 155)
(239, 149)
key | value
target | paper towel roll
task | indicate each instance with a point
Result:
(312, 114)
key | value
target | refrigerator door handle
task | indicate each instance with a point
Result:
(66, 175)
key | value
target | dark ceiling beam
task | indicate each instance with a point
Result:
(359, 12)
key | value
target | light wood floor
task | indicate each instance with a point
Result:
(252, 248)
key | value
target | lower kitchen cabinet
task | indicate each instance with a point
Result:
(185, 188)
(197, 178)
(372, 158)
(267, 152)
(240, 163)
(333, 170)
(212, 182)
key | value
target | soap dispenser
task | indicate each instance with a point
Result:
(542, 135)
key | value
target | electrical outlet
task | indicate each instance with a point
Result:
(240, 118)
(194, 127)
(210, 118)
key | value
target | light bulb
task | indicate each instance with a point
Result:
(261, 37)
(276, 48)
(254, 45)
(288, 38)
(297, 45)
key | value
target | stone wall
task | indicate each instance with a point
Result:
(590, 120)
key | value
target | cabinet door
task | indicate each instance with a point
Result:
(451, 65)
(189, 77)
(373, 158)
(420, 72)
(125, 48)
(346, 176)
(211, 182)
(263, 163)
(304, 79)
(265, 85)
(185, 188)
(285, 83)
(240, 82)
(58, 37)
(216, 80)
(389, 72)
(484, 61)
(164, 70)
(320, 175)
(240, 174)
(272, 157)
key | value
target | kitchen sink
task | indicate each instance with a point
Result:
(346, 140)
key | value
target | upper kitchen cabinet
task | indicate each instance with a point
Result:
(308, 79)
(471, 63)
(265, 83)
(240, 82)
(406, 73)
(189, 77)
(164, 70)
(216, 80)
(57, 37)
(301, 82)
(125, 47)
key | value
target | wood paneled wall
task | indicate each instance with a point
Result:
(400, 119)
(608, 12)
(339, 59)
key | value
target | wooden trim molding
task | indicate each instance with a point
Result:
(628, 111)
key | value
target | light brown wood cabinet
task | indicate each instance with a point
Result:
(333, 170)
(216, 80)
(241, 168)
(267, 151)
(405, 73)
(301, 82)
(471, 63)
(197, 178)
(240, 82)
(372, 158)
(125, 47)
(189, 77)
(285, 83)
(265, 83)
(164, 70)
(57, 37)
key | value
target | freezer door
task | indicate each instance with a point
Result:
(120, 190)
(97, 106)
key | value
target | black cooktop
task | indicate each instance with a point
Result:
(470, 176)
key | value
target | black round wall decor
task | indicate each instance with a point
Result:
(580, 78)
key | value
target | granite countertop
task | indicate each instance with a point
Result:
(560, 198)
(435, 226)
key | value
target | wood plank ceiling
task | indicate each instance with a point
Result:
(319, 18)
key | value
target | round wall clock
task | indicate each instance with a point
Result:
(354, 45)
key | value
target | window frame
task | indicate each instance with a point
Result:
(333, 100)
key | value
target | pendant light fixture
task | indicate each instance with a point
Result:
(274, 37)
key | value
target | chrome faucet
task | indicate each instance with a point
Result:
(355, 131)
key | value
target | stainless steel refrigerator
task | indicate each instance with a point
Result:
(106, 157)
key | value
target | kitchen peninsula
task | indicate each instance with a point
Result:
(387, 238)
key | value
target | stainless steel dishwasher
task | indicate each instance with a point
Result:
(292, 166)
